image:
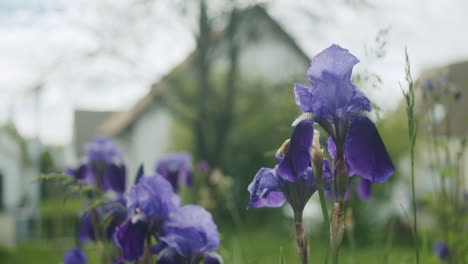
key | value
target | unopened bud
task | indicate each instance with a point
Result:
(337, 226)
(284, 148)
(349, 220)
(341, 176)
(302, 243)
(317, 158)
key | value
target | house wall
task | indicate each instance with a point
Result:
(20, 193)
(10, 168)
(147, 139)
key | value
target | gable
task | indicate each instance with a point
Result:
(268, 55)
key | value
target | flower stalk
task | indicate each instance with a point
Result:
(412, 133)
(301, 238)
(337, 228)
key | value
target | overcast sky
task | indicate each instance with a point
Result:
(69, 47)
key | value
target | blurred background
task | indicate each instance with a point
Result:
(215, 78)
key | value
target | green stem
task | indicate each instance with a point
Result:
(415, 218)
(412, 132)
(335, 256)
(301, 238)
(326, 217)
(323, 204)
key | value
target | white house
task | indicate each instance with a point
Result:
(19, 190)
(269, 54)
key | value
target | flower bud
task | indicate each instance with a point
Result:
(341, 175)
(284, 148)
(337, 226)
(317, 158)
(349, 220)
(302, 243)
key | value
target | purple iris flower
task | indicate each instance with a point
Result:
(130, 238)
(102, 150)
(292, 179)
(74, 256)
(441, 250)
(334, 103)
(102, 166)
(175, 167)
(332, 95)
(149, 202)
(153, 198)
(191, 233)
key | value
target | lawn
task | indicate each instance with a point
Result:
(259, 247)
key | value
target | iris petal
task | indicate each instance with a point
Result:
(265, 190)
(130, 238)
(297, 159)
(365, 151)
(332, 93)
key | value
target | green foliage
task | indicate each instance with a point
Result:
(412, 131)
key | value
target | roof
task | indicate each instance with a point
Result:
(85, 126)
(118, 122)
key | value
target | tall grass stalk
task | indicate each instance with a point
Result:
(412, 133)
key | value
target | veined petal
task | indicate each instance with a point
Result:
(333, 60)
(130, 238)
(332, 93)
(298, 157)
(306, 99)
(190, 231)
(265, 189)
(115, 177)
(365, 151)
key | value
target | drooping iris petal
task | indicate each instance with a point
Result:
(74, 256)
(115, 177)
(441, 250)
(365, 151)
(175, 167)
(266, 189)
(190, 231)
(364, 189)
(152, 196)
(297, 158)
(130, 238)
(332, 93)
